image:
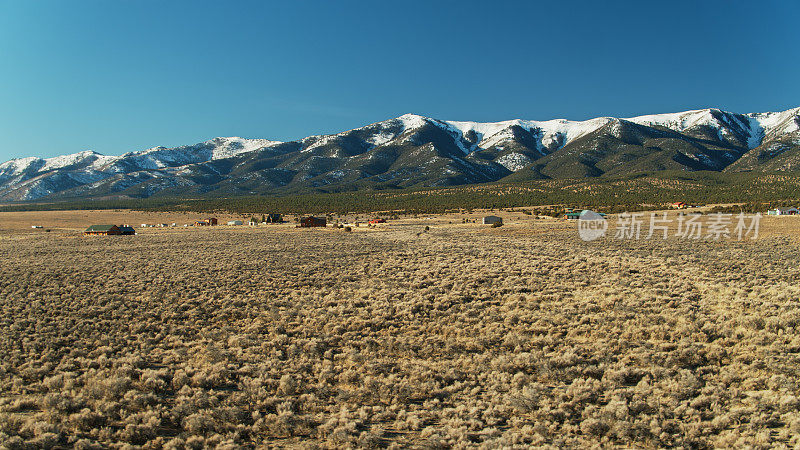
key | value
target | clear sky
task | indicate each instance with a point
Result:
(117, 76)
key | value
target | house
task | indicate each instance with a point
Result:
(127, 230)
(573, 214)
(206, 222)
(312, 221)
(235, 222)
(783, 212)
(378, 220)
(273, 218)
(491, 220)
(679, 205)
(102, 230)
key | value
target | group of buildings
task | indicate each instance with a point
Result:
(213, 221)
(305, 222)
(311, 221)
(120, 230)
(791, 211)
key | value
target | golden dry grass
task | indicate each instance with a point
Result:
(392, 336)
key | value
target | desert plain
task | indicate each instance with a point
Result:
(423, 332)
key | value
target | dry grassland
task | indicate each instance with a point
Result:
(460, 336)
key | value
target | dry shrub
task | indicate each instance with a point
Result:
(454, 338)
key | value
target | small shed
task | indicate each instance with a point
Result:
(235, 222)
(312, 221)
(127, 230)
(102, 230)
(491, 220)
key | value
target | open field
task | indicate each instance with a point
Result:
(460, 336)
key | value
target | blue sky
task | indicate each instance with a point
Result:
(117, 76)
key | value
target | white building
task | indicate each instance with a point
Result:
(783, 212)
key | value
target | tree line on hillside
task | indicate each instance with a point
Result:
(610, 195)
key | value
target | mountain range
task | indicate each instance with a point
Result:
(418, 151)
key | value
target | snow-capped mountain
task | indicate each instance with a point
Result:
(414, 150)
(33, 178)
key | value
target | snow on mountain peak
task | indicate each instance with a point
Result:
(411, 121)
(59, 162)
(679, 121)
(382, 132)
(755, 125)
(226, 147)
(778, 122)
(557, 130)
(18, 165)
(212, 149)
